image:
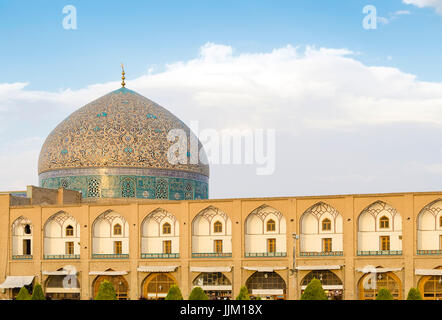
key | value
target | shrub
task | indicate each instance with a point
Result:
(384, 294)
(23, 294)
(174, 293)
(106, 291)
(37, 293)
(314, 291)
(414, 294)
(197, 294)
(243, 294)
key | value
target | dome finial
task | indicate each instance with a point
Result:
(122, 75)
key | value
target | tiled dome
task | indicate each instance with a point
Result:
(120, 130)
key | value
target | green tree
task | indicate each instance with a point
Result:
(37, 293)
(414, 294)
(384, 294)
(174, 293)
(106, 291)
(197, 294)
(314, 291)
(243, 294)
(23, 294)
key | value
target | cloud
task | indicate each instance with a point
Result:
(436, 4)
(314, 97)
(392, 16)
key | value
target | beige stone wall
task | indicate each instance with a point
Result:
(349, 206)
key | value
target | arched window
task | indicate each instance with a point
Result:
(211, 279)
(371, 283)
(218, 227)
(27, 229)
(440, 222)
(271, 225)
(326, 277)
(166, 228)
(384, 223)
(69, 231)
(262, 281)
(117, 229)
(326, 225)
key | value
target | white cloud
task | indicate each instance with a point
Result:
(392, 16)
(300, 92)
(436, 4)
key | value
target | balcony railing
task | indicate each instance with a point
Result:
(61, 256)
(429, 252)
(110, 256)
(380, 253)
(211, 255)
(160, 255)
(321, 254)
(22, 257)
(265, 254)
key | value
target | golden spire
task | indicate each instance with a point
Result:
(122, 75)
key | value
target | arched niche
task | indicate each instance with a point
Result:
(259, 239)
(160, 233)
(211, 233)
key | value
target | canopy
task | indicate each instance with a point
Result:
(323, 267)
(428, 272)
(328, 287)
(59, 273)
(108, 273)
(210, 269)
(372, 269)
(264, 269)
(216, 288)
(156, 268)
(270, 292)
(16, 282)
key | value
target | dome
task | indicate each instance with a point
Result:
(116, 146)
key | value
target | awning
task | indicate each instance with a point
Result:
(16, 282)
(108, 273)
(264, 269)
(210, 269)
(323, 267)
(372, 269)
(215, 288)
(270, 292)
(331, 287)
(156, 268)
(58, 273)
(63, 290)
(156, 295)
(428, 272)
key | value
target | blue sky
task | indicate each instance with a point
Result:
(146, 34)
(355, 110)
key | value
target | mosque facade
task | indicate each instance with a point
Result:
(110, 206)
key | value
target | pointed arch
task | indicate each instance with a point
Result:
(374, 240)
(61, 236)
(156, 219)
(106, 244)
(19, 224)
(154, 238)
(321, 231)
(258, 240)
(317, 213)
(429, 228)
(22, 238)
(211, 233)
